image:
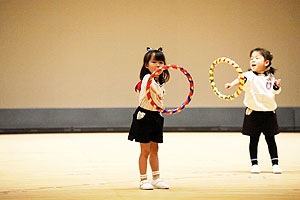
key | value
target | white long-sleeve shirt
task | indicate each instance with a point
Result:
(259, 92)
(143, 100)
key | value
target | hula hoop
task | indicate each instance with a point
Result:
(187, 101)
(239, 71)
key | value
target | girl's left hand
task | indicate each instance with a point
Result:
(278, 82)
(228, 86)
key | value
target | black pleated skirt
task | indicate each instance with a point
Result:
(146, 126)
(260, 122)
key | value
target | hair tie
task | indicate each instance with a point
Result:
(149, 48)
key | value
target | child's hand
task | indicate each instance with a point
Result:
(228, 86)
(159, 97)
(278, 82)
(232, 84)
(155, 90)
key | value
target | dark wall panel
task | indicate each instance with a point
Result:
(119, 120)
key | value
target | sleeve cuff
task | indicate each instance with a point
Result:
(275, 87)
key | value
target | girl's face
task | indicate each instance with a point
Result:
(154, 64)
(258, 62)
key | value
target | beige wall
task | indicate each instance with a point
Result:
(88, 53)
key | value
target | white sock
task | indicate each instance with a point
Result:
(155, 173)
(143, 176)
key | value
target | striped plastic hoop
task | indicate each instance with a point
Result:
(187, 101)
(213, 85)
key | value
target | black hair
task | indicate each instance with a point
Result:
(268, 56)
(159, 56)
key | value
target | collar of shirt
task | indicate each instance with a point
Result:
(260, 74)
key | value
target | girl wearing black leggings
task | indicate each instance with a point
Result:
(260, 114)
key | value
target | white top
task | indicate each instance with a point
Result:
(259, 92)
(143, 100)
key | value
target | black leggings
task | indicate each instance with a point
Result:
(271, 146)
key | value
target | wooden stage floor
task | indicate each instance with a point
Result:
(105, 166)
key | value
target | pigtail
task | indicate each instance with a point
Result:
(272, 70)
(269, 56)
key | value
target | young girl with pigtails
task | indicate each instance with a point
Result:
(260, 114)
(147, 123)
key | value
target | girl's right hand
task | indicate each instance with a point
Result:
(228, 86)
(232, 84)
(159, 97)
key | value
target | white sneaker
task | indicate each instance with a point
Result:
(159, 184)
(255, 169)
(146, 185)
(276, 169)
